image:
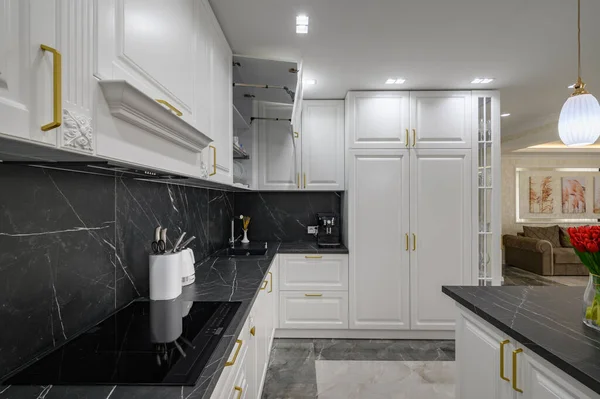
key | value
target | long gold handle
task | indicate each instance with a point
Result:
(172, 108)
(406, 235)
(313, 294)
(502, 359)
(56, 87)
(237, 352)
(414, 242)
(313, 256)
(214, 172)
(271, 283)
(298, 180)
(253, 331)
(305, 180)
(264, 285)
(414, 137)
(240, 390)
(406, 144)
(514, 370)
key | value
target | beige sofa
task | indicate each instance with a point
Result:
(541, 251)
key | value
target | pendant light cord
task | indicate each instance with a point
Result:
(579, 39)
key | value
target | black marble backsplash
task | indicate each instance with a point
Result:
(284, 216)
(74, 247)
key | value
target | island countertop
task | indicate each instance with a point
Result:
(547, 320)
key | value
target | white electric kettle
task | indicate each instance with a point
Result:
(188, 273)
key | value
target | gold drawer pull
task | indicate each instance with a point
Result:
(514, 370)
(502, 359)
(237, 352)
(313, 294)
(172, 108)
(253, 331)
(296, 135)
(56, 87)
(214, 172)
(314, 256)
(240, 390)
(264, 285)
(271, 285)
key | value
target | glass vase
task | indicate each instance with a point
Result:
(591, 303)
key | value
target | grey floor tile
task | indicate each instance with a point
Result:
(398, 350)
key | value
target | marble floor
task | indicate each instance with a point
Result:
(317, 368)
(516, 276)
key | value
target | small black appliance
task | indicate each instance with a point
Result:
(328, 234)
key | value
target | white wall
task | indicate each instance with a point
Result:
(510, 162)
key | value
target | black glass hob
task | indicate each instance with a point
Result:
(145, 343)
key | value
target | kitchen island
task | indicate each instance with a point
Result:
(524, 342)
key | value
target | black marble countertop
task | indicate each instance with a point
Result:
(546, 320)
(218, 278)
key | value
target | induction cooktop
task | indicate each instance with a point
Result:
(145, 343)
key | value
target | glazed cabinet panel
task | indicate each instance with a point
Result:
(378, 236)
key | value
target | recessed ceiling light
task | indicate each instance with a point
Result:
(395, 81)
(310, 81)
(302, 20)
(482, 80)
(503, 115)
(301, 28)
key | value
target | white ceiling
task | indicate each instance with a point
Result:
(529, 46)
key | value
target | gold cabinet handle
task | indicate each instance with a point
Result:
(502, 359)
(314, 256)
(305, 180)
(168, 105)
(414, 242)
(296, 135)
(264, 285)
(271, 283)
(298, 180)
(313, 294)
(240, 390)
(406, 144)
(214, 172)
(56, 87)
(253, 331)
(239, 342)
(514, 370)
(414, 137)
(406, 235)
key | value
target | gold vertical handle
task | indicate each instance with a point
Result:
(253, 331)
(298, 180)
(214, 172)
(514, 370)
(414, 137)
(264, 285)
(271, 283)
(407, 241)
(406, 144)
(239, 342)
(57, 89)
(414, 242)
(305, 180)
(172, 108)
(502, 359)
(240, 390)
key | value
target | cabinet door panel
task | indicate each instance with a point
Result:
(278, 151)
(378, 119)
(441, 119)
(323, 144)
(541, 383)
(379, 261)
(440, 219)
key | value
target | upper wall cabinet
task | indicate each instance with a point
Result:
(440, 119)
(378, 119)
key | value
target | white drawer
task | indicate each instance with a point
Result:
(233, 366)
(313, 272)
(313, 310)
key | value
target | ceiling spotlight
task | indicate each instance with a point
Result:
(482, 80)
(310, 81)
(395, 81)
(504, 115)
(301, 24)
(301, 28)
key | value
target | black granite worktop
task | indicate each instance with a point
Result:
(218, 278)
(546, 320)
(303, 247)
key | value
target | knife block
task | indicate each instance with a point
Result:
(165, 276)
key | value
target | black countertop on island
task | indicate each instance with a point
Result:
(546, 320)
(218, 278)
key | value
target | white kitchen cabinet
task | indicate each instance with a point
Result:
(542, 383)
(440, 119)
(322, 138)
(377, 119)
(314, 272)
(378, 229)
(440, 225)
(313, 310)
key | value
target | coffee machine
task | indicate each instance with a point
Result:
(328, 234)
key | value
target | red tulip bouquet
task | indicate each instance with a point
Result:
(586, 242)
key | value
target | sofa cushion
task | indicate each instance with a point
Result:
(565, 255)
(550, 233)
(564, 238)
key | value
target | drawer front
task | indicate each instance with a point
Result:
(234, 364)
(314, 310)
(314, 272)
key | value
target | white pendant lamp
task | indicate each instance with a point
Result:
(579, 122)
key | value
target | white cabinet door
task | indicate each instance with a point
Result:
(314, 310)
(323, 145)
(278, 150)
(151, 44)
(314, 272)
(378, 197)
(541, 383)
(440, 119)
(440, 221)
(377, 119)
(262, 336)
